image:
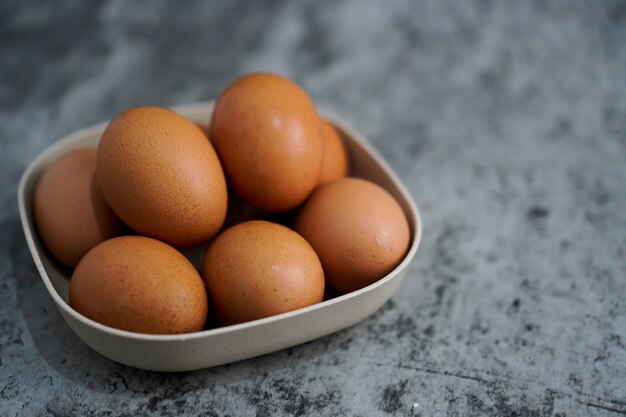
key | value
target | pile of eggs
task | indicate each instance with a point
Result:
(119, 215)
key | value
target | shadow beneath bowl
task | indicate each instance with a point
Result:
(64, 352)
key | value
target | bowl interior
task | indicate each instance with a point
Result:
(365, 163)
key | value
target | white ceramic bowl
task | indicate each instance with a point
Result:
(231, 343)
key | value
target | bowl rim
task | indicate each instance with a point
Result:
(185, 110)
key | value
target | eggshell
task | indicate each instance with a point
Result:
(258, 269)
(266, 131)
(70, 211)
(358, 230)
(139, 284)
(335, 163)
(162, 176)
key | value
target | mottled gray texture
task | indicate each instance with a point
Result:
(506, 120)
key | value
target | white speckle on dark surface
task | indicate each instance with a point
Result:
(505, 120)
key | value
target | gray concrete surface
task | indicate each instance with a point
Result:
(507, 122)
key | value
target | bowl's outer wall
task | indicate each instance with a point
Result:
(210, 348)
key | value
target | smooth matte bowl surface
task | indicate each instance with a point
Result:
(231, 343)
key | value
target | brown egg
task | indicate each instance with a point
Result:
(335, 163)
(139, 284)
(70, 212)
(258, 269)
(161, 176)
(358, 230)
(266, 131)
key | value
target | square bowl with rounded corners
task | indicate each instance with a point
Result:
(191, 351)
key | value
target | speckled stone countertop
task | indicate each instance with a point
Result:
(507, 122)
